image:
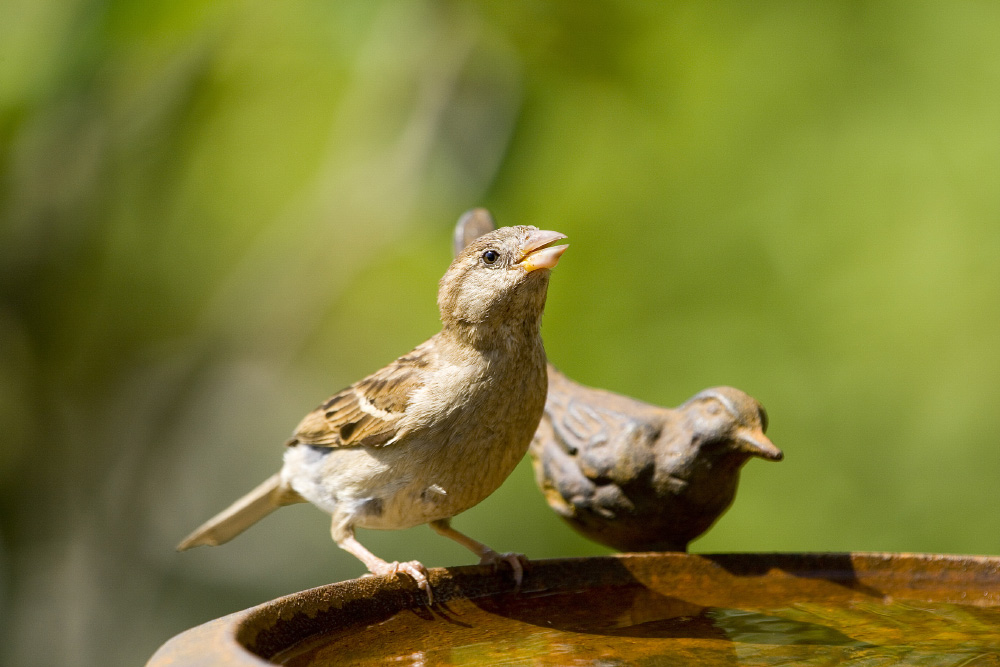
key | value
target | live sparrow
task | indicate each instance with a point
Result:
(437, 430)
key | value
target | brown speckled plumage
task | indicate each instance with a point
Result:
(437, 430)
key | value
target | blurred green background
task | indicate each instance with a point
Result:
(215, 214)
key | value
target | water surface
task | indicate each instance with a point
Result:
(633, 625)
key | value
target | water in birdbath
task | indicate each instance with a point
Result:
(634, 625)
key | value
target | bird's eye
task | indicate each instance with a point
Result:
(491, 256)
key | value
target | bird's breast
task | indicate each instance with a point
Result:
(458, 460)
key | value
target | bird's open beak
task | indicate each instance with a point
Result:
(755, 443)
(537, 252)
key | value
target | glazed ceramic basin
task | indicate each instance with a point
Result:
(645, 609)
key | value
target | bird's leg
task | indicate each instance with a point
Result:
(344, 537)
(486, 555)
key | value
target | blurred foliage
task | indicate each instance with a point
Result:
(213, 215)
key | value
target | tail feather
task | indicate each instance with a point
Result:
(242, 514)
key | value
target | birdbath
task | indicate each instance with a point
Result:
(646, 609)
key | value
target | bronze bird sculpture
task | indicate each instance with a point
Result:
(638, 477)
(437, 430)
(635, 476)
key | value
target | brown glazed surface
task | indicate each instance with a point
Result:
(633, 609)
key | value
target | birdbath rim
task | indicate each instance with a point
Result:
(249, 637)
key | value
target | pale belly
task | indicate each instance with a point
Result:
(394, 488)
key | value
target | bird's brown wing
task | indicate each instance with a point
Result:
(582, 426)
(601, 440)
(581, 417)
(369, 411)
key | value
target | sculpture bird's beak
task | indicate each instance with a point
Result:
(755, 443)
(537, 251)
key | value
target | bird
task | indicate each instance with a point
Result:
(634, 476)
(437, 430)
(639, 477)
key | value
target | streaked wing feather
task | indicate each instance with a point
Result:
(369, 411)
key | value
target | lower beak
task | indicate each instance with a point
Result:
(756, 443)
(537, 252)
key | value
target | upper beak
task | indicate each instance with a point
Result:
(755, 443)
(537, 253)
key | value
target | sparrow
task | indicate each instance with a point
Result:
(635, 476)
(438, 429)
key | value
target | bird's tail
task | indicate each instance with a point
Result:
(242, 514)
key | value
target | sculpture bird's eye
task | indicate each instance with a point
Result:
(490, 257)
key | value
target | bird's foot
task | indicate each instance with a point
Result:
(517, 563)
(413, 569)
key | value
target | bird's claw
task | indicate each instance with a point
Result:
(517, 563)
(413, 569)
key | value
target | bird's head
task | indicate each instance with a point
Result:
(499, 281)
(730, 416)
